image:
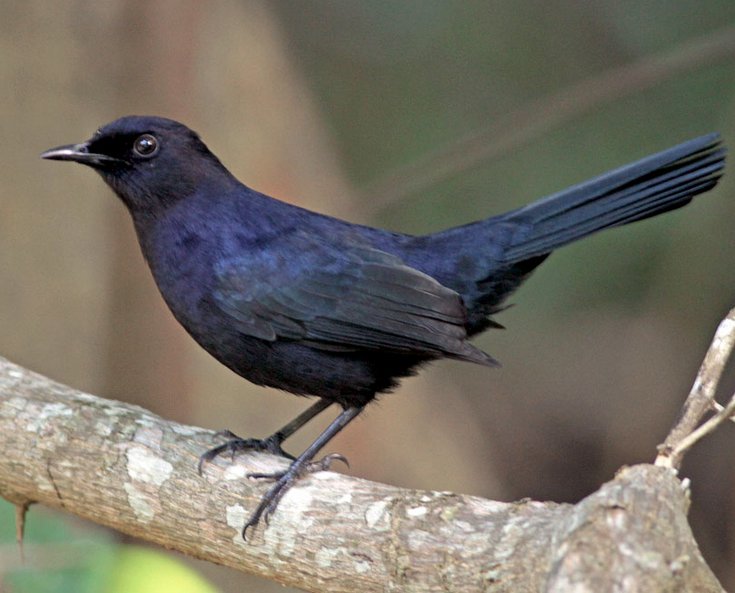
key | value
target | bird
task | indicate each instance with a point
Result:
(317, 306)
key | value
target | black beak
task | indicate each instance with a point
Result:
(79, 153)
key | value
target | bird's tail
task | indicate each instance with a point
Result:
(651, 186)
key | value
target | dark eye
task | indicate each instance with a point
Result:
(145, 145)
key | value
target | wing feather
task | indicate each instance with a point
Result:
(345, 300)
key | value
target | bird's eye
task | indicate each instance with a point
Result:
(145, 145)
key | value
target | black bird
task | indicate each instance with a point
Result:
(317, 306)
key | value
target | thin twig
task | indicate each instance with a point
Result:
(701, 398)
(718, 408)
(725, 414)
(21, 511)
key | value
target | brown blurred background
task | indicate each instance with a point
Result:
(413, 115)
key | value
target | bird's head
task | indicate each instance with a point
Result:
(150, 162)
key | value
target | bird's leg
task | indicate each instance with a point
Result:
(272, 444)
(298, 468)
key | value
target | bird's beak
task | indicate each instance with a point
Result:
(79, 153)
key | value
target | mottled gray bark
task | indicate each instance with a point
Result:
(124, 467)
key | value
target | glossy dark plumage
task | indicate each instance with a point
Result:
(318, 306)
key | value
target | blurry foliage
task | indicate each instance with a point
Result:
(63, 556)
(145, 570)
(474, 61)
(58, 557)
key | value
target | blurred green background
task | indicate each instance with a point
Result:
(412, 115)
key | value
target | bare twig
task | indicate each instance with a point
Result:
(701, 399)
(706, 428)
(719, 408)
(538, 116)
(21, 510)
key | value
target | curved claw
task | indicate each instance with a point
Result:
(270, 500)
(308, 468)
(326, 462)
(225, 433)
(237, 445)
(299, 467)
(207, 456)
(284, 480)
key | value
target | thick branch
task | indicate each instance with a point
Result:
(124, 467)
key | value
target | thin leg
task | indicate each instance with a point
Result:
(272, 444)
(301, 466)
(301, 419)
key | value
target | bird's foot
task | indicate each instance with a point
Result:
(236, 445)
(283, 481)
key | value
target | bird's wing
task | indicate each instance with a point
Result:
(344, 299)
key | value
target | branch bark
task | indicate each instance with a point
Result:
(124, 467)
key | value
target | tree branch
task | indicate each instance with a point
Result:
(701, 399)
(121, 466)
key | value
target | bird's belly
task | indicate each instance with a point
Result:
(345, 378)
